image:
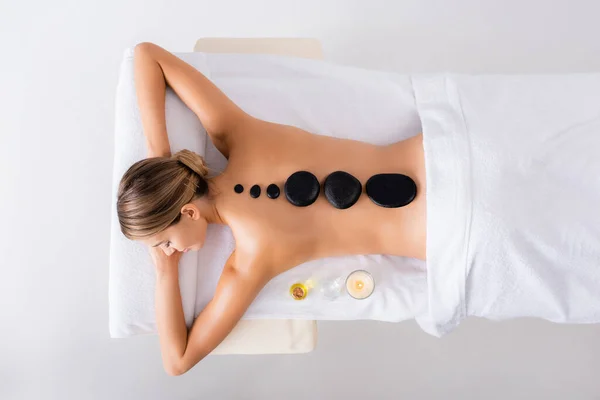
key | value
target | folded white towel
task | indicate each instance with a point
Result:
(513, 196)
(315, 95)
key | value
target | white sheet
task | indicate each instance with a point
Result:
(513, 196)
(318, 96)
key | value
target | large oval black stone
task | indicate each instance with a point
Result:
(302, 188)
(342, 189)
(272, 191)
(255, 191)
(391, 190)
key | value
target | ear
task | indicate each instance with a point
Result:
(190, 210)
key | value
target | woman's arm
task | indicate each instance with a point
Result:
(156, 67)
(181, 350)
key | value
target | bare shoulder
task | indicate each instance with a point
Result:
(241, 280)
(251, 265)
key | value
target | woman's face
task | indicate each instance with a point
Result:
(188, 234)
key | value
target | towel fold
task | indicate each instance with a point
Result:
(513, 196)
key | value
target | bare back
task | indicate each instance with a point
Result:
(275, 233)
(271, 235)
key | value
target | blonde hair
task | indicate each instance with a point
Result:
(153, 191)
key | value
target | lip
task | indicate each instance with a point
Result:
(186, 250)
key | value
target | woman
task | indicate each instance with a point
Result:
(166, 201)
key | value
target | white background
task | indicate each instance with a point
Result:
(58, 71)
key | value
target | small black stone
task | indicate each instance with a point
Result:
(302, 188)
(272, 191)
(255, 191)
(238, 188)
(342, 189)
(391, 190)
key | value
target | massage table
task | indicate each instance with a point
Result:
(512, 194)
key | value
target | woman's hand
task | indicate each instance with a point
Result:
(163, 262)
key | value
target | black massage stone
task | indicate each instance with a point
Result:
(255, 191)
(272, 191)
(342, 189)
(302, 188)
(391, 190)
(238, 188)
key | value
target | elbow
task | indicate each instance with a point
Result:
(175, 368)
(144, 47)
(173, 371)
(179, 366)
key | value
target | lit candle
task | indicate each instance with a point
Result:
(360, 284)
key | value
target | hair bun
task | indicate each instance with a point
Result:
(193, 161)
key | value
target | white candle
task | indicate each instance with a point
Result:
(360, 284)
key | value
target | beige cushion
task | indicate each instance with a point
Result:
(270, 336)
(296, 47)
(267, 336)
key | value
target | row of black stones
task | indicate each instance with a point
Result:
(342, 190)
(272, 190)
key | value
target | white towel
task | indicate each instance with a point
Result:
(513, 196)
(318, 96)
